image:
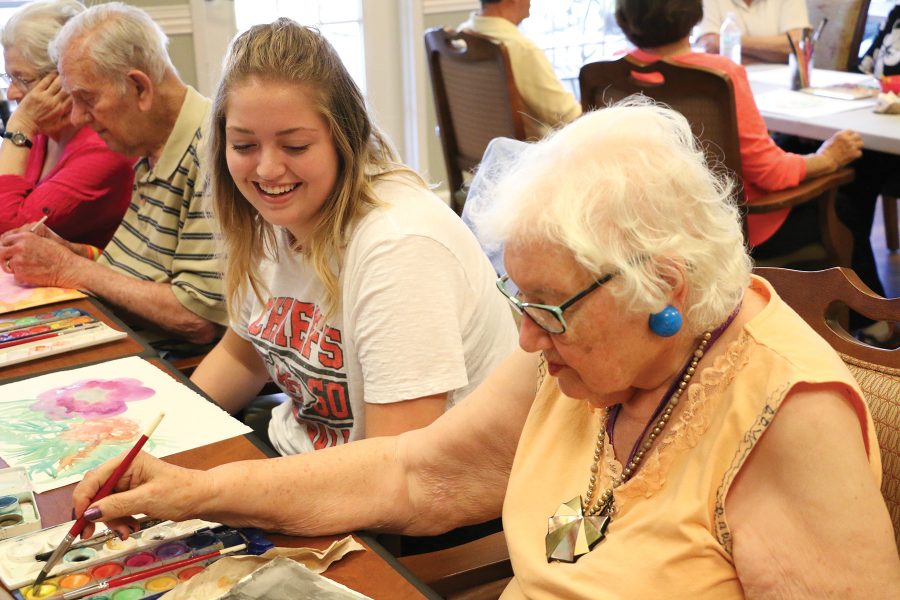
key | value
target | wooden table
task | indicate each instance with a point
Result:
(373, 572)
(879, 131)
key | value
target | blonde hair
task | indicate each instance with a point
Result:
(626, 189)
(285, 51)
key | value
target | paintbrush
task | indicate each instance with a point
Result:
(100, 538)
(104, 491)
(818, 32)
(102, 586)
(39, 223)
(82, 328)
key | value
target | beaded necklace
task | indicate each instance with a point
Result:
(577, 525)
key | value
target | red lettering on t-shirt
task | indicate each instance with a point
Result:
(330, 353)
(256, 326)
(276, 318)
(312, 336)
(301, 318)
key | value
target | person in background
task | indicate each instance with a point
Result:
(162, 267)
(763, 24)
(882, 59)
(661, 29)
(48, 166)
(547, 102)
(349, 283)
(661, 389)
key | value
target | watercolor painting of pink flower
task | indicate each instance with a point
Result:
(91, 398)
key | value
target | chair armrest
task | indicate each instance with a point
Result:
(188, 364)
(806, 191)
(462, 567)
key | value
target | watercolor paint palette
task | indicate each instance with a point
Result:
(18, 510)
(161, 544)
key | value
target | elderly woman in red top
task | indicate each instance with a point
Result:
(48, 167)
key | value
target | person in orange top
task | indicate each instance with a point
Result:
(687, 425)
(661, 29)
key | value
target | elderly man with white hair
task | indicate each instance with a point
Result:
(162, 266)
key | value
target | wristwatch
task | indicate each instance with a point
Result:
(17, 138)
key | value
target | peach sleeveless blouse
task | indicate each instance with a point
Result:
(670, 537)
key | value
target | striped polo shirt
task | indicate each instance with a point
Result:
(169, 234)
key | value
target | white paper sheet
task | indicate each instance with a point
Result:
(807, 106)
(780, 76)
(60, 425)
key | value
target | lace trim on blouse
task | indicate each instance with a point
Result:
(689, 424)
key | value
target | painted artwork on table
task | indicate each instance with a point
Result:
(60, 425)
(16, 297)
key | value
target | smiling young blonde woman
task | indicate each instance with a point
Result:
(350, 284)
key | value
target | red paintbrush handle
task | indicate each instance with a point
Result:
(114, 477)
(159, 570)
(172, 566)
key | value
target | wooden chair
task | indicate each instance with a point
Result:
(838, 47)
(475, 99)
(478, 570)
(188, 364)
(822, 298)
(706, 98)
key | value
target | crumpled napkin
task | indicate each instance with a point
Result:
(218, 578)
(888, 103)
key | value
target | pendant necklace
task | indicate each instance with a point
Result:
(577, 525)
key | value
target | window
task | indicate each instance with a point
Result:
(340, 21)
(575, 32)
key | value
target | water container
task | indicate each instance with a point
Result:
(730, 38)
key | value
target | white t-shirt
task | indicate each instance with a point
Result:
(761, 18)
(420, 315)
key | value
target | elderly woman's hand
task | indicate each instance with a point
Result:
(149, 486)
(843, 147)
(837, 151)
(45, 108)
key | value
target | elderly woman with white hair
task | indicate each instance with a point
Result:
(670, 428)
(48, 166)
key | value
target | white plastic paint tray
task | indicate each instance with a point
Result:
(22, 516)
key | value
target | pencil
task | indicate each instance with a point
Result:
(115, 582)
(38, 224)
(103, 492)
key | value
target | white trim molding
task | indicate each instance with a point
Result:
(415, 83)
(174, 19)
(436, 7)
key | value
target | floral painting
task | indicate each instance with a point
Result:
(16, 297)
(61, 425)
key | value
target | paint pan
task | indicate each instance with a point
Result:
(9, 504)
(152, 587)
(20, 564)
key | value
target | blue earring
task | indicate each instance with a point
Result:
(666, 322)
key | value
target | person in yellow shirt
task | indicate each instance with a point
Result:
(546, 100)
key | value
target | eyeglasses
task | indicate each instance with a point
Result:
(547, 317)
(25, 84)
